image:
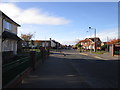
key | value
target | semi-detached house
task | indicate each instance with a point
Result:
(8, 28)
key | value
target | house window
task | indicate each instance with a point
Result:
(47, 44)
(42, 44)
(7, 25)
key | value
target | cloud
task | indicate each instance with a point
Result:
(24, 30)
(73, 42)
(31, 15)
(110, 33)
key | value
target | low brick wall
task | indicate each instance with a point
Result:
(114, 48)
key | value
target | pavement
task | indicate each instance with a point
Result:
(105, 56)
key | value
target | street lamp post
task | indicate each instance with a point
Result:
(90, 44)
(94, 38)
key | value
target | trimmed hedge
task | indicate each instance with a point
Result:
(117, 52)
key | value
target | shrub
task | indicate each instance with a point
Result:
(104, 47)
(117, 52)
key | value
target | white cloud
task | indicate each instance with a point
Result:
(110, 33)
(73, 42)
(24, 31)
(31, 15)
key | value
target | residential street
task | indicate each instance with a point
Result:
(59, 44)
(70, 69)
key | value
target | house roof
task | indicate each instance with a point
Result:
(5, 16)
(104, 42)
(89, 39)
(55, 41)
(95, 38)
(10, 35)
(86, 40)
(114, 41)
(41, 40)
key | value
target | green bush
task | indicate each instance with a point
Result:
(103, 47)
(78, 45)
(117, 52)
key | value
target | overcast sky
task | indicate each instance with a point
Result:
(65, 22)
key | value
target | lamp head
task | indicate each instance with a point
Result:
(89, 27)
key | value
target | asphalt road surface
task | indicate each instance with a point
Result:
(69, 69)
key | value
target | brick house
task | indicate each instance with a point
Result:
(103, 43)
(114, 47)
(89, 43)
(42, 43)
